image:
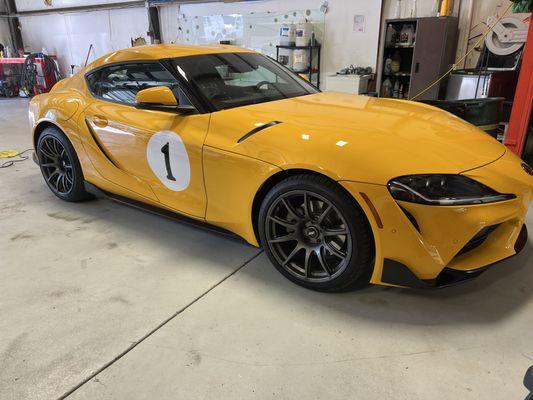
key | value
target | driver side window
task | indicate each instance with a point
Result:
(120, 83)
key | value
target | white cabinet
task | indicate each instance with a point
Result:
(354, 84)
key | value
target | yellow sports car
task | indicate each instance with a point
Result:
(340, 190)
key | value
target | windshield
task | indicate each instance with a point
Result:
(237, 79)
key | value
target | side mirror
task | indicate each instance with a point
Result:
(160, 98)
(156, 96)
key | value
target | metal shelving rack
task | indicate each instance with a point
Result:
(313, 70)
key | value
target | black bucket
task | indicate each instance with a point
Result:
(485, 113)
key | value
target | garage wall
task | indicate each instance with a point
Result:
(4, 27)
(424, 8)
(4, 32)
(69, 35)
(342, 46)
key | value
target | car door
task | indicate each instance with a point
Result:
(157, 154)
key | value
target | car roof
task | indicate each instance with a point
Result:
(161, 51)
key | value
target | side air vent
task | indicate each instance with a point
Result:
(257, 129)
(411, 219)
(100, 146)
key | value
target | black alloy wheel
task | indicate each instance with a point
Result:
(308, 236)
(316, 235)
(56, 165)
(60, 166)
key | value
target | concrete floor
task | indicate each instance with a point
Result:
(101, 301)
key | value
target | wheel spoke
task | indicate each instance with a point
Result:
(307, 262)
(322, 260)
(46, 146)
(69, 180)
(282, 239)
(46, 153)
(324, 214)
(61, 183)
(334, 251)
(279, 221)
(50, 146)
(49, 179)
(290, 209)
(48, 165)
(66, 187)
(57, 149)
(296, 249)
(307, 206)
(335, 232)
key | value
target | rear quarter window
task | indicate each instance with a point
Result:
(120, 83)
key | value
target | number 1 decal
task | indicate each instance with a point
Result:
(168, 159)
(164, 150)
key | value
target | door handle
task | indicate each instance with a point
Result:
(99, 121)
(417, 67)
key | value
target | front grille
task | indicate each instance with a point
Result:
(478, 239)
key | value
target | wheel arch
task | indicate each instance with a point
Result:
(40, 127)
(43, 124)
(280, 176)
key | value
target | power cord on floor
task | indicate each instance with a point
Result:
(10, 163)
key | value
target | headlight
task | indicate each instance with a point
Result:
(443, 190)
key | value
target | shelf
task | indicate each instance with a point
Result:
(400, 20)
(397, 98)
(280, 46)
(398, 74)
(400, 46)
(313, 71)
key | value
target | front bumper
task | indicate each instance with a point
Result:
(397, 274)
(433, 246)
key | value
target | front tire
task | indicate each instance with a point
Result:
(316, 235)
(60, 166)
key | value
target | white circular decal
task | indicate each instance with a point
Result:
(168, 160)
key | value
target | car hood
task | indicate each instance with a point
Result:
(351, 137)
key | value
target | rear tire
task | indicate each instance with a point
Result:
(316, 235)
(60, 166)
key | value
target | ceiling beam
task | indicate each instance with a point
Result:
(76, 9)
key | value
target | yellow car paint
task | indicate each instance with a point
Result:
(156, 95)
(358, 141)
(340, 134)
(125, 134)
